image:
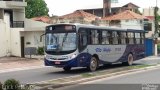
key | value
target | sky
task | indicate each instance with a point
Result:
(62, 7)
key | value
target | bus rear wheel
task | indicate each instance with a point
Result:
(129, 60)
(93, 64)
(66, 68)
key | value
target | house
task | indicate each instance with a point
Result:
(44, 19)
(149, 14)
(113, 10)
(17, 32)
(78, 16)
(126, 19)
(11, 24)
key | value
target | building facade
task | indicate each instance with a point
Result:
(16, 32)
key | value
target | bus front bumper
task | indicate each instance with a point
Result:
(70, 63)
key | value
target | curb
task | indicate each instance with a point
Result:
(85, 80)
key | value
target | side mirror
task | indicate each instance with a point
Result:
(41, 37)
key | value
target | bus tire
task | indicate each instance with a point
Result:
(93, 64)
(67, 68)
(129, 60)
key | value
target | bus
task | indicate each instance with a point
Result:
(78, 45)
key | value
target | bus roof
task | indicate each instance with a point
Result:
(99, 27)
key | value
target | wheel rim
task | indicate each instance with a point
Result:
(93, 64)
(130, 59)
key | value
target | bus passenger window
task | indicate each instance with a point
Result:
(104, 38)
(142, 38)
(109, 35)
(131, 37)
(123, 37)
(115, 37)
(137, 37)
(94, 37)
(119, 37)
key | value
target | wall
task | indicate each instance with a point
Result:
(15, 41)
(31, 25)
(131, 24)
(149, 11)
(3, 48)
(32, 39)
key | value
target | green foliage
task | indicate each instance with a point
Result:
(36, 8)
(11, 84)
(156, 19)
(40, 50)
(1, 86)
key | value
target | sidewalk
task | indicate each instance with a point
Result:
(7, 63)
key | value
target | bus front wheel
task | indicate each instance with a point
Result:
(93, 64)
(66, 68)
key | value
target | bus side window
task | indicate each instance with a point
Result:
(115, 37)
(82, 39)
(119, 37)
(131, 37)
(123, 37)
(137, 38)
(109, 35)
(142, 38)
(105, 39)
(95, 37)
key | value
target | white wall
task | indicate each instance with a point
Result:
(34, 38)
(149, 11)
(15, 41)
(31, 25)
(131, 24)
(3, 48)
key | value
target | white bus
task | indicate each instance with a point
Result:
(77, 45)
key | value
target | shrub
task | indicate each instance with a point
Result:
(11, 84)
(40, 50)
(1, 86)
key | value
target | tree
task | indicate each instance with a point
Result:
(36, 8)
(156, 19)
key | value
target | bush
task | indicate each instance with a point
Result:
(11, 84)
(1, 86)
(40, 50)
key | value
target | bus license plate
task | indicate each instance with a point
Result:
(57, 62)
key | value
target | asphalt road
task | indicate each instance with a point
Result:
(148, 79)
(48, 73)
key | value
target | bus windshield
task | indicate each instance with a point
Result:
(60, 42)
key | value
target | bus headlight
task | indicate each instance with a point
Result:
(73, 56)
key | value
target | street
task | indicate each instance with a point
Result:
(48, 73)
(135, 81)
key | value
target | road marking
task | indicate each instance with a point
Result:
(19, 69)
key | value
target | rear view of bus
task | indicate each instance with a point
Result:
(60, 46)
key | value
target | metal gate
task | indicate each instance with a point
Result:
(149, 47)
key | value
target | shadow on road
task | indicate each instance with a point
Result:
(75, 71)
